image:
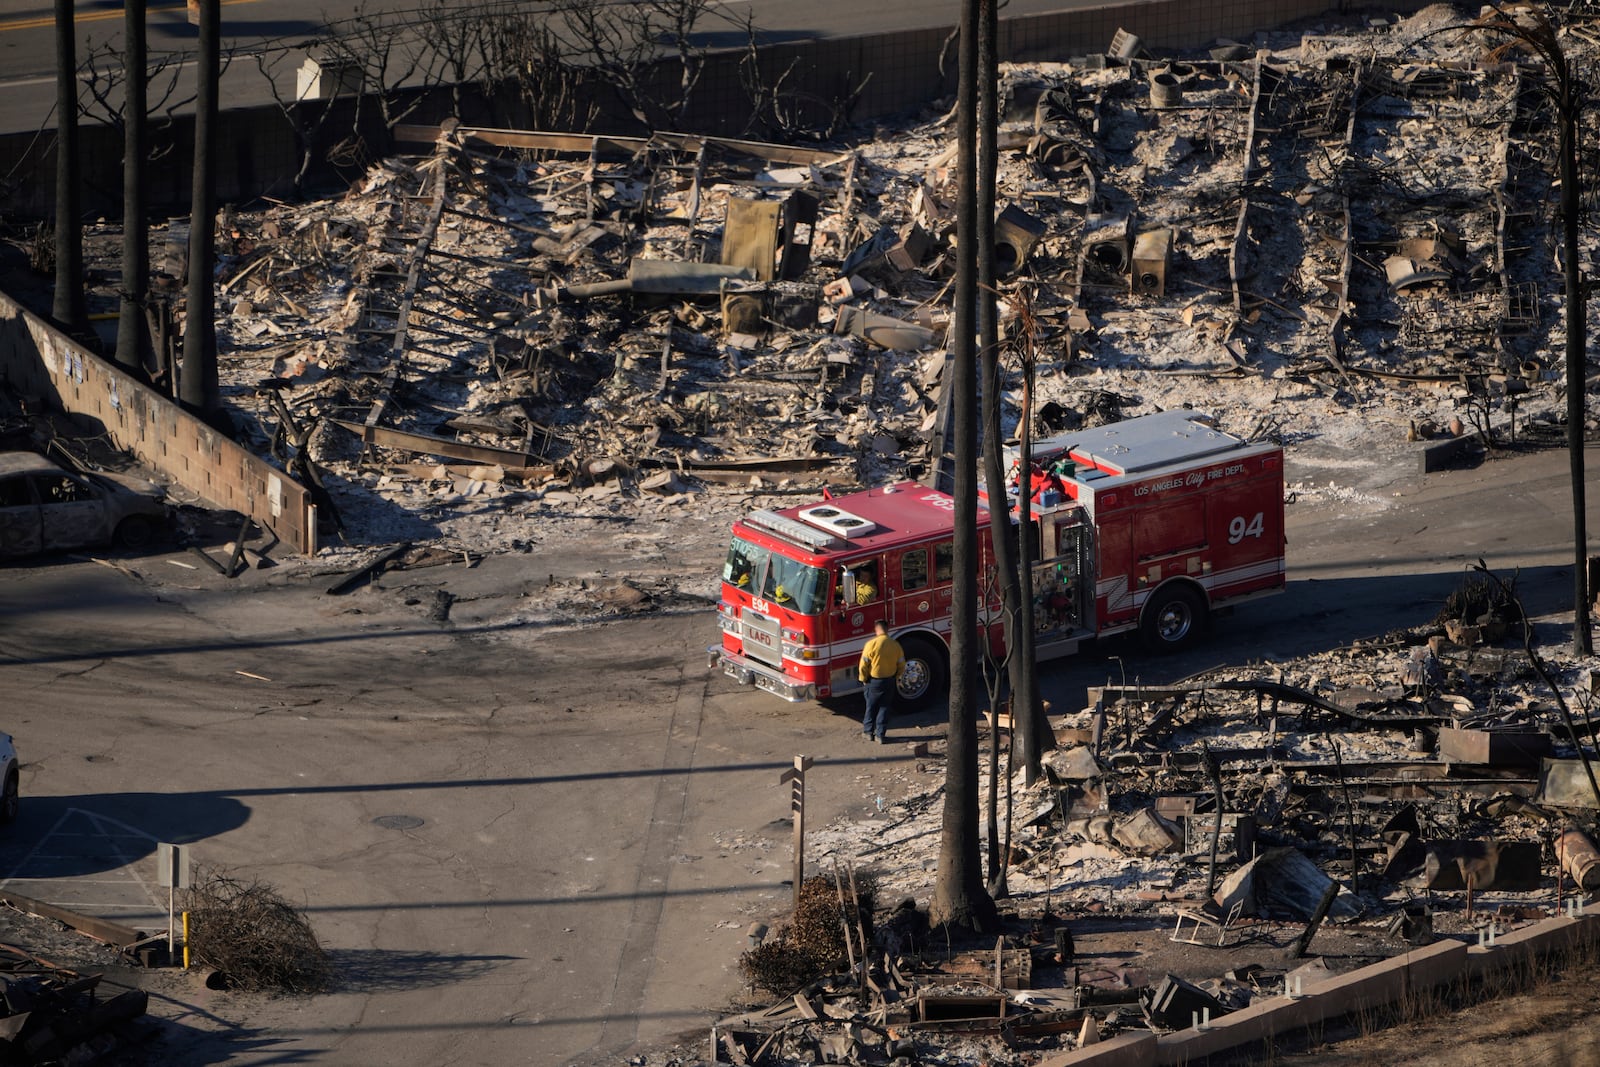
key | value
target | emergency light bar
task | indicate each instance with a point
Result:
(793, 529)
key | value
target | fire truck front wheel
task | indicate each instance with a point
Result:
(924, 677)
(1173, 618)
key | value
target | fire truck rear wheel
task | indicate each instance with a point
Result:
(923, 679)
(1173, 618)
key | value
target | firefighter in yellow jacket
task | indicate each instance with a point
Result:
(883, 661)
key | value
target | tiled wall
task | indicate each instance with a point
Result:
(38, 362)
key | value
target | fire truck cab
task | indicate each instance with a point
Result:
(1152, 523)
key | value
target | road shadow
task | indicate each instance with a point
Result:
(176, 1042)
(68, 836)
(379, 970)
(1313, 615)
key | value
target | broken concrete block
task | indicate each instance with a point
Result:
(663, 482)
(1147, 833)
(1073, 764)
(1097, 829)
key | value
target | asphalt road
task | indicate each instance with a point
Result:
(27, 36)
(536, 844)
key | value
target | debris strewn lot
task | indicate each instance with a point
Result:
(1338, 238)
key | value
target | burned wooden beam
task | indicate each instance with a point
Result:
(617, 147)
(428, 444)
(369, 570)
(397, 350)
(100, 929)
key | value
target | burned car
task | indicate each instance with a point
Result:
(44, 508)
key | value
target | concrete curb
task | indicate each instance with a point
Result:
(1369, 988)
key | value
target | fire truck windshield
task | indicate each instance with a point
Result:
(771, 576)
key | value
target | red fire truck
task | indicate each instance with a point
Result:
(1151, 523)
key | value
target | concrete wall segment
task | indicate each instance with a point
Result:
(38, 361)
(1124, 1050)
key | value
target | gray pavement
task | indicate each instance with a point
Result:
(538, 843)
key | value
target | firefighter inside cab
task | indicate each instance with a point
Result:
(858, 586)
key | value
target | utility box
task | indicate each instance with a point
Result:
(1152, 252)
(326, 77)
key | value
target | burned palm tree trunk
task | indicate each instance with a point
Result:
(68, 307)
(1534, 29)
(197, 386)
(1572, 267)
(989, 378)
(959, 896)
(133, 344)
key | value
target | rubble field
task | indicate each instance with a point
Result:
(1338, 238)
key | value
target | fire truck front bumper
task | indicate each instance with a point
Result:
(748, 672)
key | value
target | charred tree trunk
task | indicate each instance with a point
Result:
(989, 378)
(1572, 264)
(959, 896)
(133, 333)
(197, 386)
(68, 306)
(1533, 28)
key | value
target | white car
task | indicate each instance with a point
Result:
(9, 793)
(45, 508)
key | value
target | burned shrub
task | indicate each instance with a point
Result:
(247, 931)
(813, 943)
(1478, 596)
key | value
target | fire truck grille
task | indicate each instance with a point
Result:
(760, 636)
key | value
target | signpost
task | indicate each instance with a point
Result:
(172, 871)
(797, 805)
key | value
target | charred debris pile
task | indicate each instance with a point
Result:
(1201, 847)
(1344, 236)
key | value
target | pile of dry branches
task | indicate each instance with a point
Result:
(249, 932)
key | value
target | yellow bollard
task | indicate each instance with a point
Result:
(186, 941)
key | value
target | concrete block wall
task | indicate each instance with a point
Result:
(40, 362)
(1370, 988)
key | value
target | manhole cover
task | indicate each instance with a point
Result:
(398, 822)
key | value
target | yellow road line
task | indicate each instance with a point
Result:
(40, 22)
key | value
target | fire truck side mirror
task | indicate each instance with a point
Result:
(848, 586)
